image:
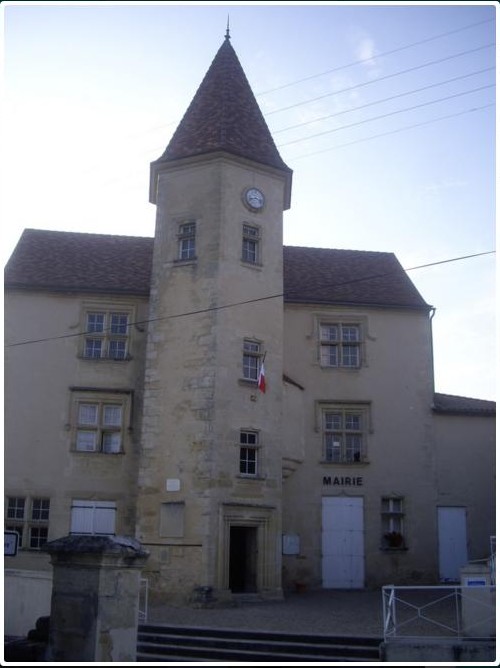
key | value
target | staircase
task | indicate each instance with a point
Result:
(182, 643)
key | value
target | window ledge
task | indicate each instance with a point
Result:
(251, 265)
(325, 462)
(182, 263)
(385, 548)
(245, 382)
(129, 358)
(97, 452)
(243, 476)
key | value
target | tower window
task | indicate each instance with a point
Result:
(187, 241)
(249, 441)
(250, 247)
(251, 360)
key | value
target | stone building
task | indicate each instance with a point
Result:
(258, 416)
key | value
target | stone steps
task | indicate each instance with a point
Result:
(181, 643)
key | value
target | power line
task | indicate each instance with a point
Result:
(249, 301)
(386, 115)
(378, 55)
(385, 99)
(378, 79)
(393, 132)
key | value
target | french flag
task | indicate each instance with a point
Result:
(262, 378)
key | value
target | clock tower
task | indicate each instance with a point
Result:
(210, 469)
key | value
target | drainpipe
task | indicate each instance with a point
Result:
(432, 313)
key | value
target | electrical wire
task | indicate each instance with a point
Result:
(385, 99)
(396, 131)
(378, 55)
(386, 115)
(250, 301)
(378, 79)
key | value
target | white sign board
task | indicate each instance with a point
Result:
(11, 540)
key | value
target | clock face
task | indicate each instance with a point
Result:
(254, 198)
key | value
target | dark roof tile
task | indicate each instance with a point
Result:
(224, 116)
(71, 261)
(449, 404)
(330, 276)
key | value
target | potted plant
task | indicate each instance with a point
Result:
(394, 538)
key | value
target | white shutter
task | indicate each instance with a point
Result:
(93, 517)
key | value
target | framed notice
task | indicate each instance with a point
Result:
(11, 542)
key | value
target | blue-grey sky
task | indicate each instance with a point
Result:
(384, 112)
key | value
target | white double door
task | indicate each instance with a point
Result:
(343, 561)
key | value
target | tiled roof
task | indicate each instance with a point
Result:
(329, 276)
(71, 261)
(448, 404)
(224, 116)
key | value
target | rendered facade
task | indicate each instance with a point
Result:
(258, 416)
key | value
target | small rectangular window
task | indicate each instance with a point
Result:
(187, 241)
(32, 525)
(249, 441)
(40, 509)
(15, 507)
(393, 531)
(251, 360)
(250, 244)
(38, 537)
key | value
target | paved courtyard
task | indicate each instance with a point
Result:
(330, 612)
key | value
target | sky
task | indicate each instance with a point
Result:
(385, 113)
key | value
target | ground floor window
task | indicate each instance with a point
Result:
(29, 518)
(393, 531)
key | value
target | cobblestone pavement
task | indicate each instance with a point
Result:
(330, 612)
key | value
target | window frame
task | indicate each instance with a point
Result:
(100, 400)
(32, 527)
(251, 360)
(251, 234)
(104, 330)
(336, 352)
(357, 408)
(249, 444)
(186, 234)
(393, 536)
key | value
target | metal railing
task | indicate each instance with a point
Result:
(439, 612)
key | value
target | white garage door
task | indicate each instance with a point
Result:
(343, 543)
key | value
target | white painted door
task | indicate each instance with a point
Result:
(343, 560)
(452, 533)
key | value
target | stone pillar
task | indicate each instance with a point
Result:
(95, 597)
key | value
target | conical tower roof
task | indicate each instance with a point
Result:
(224, 116)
